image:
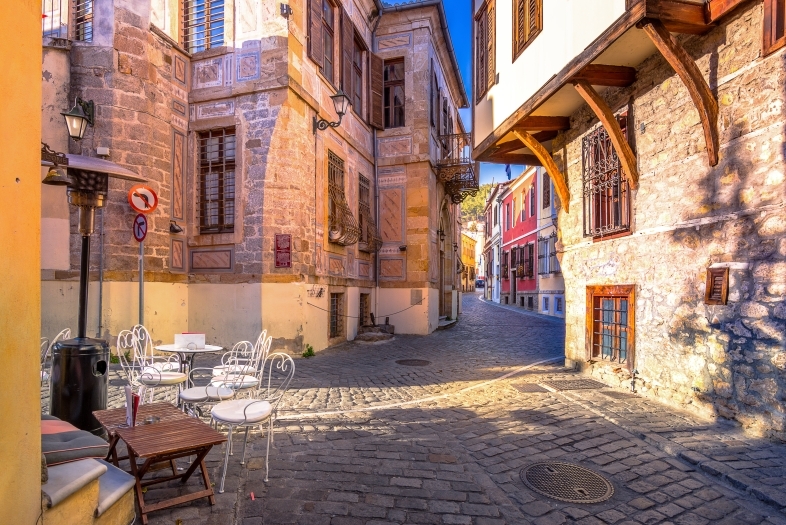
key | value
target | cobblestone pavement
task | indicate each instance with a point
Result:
(366, 441)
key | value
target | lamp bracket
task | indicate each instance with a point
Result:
(55, 157)
(322, 124)
(89, 108)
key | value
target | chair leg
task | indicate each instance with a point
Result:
(267, 454)
(226, 460)
(245, 442)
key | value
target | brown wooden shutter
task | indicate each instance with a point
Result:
(533, 18)
(377, 88)
(717, 291)
(315, 49)
(480, 56)
(774, 25)
(491, 63)
(348, 50)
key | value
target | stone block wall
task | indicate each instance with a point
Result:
(726, 361)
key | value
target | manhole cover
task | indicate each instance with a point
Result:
(619, 395)
(413, 362)
(567, 482)
(574, 384)
(529, 388)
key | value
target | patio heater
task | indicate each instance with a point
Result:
(79, 378)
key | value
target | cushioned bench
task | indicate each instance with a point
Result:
(62, 442)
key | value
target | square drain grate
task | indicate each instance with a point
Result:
(529, 388)
(574, 384)
(619, 395)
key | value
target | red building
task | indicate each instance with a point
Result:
(518, 266)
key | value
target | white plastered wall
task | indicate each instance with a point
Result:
(421, 319)
(569, 26)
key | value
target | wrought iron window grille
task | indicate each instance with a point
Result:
(336, 315)
(343, 229)
(605, 187)
(216, 193)
(554, 266)
(203, 24)
(370, 239)
(65, 20)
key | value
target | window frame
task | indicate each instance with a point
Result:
(332, 40)
(205, 167)
(358, 85)
(546, 191)
(611, 292)
(774, 24)
(389, 110)
(207, 25)
(530, 33)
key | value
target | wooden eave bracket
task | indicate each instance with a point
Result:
(607, 75)
(560, 183)
(606, 117)
(703, 98)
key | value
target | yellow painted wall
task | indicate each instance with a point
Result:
(20, 315)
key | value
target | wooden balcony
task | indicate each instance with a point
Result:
(455, 167)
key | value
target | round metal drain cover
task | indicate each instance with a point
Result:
(413, 362)
(567, 482)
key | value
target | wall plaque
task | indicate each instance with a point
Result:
(283, 250)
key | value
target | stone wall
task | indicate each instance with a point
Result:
(726, 361)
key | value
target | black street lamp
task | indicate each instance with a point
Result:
(341, 104)
(78, 118)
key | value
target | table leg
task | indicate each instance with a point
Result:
(137, 473)
(206, 479)
(111, 455)
(200, 456)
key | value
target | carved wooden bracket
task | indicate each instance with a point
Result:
(560, 183)
(705, 102)
(606, 117)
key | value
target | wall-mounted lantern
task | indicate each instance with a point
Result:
(79, 117)
(341, 104)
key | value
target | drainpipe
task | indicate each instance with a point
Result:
(376, 169)
(101, 275)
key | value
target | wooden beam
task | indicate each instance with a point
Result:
(679, 16)
(715, 9)
(520, 159)
(606, 75)
(533, 123)
(705, 102)
(515, 145)
(620, 142)
(560, 183)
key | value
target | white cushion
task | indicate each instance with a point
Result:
(234, 381)
(232, 411)
(232, 369)
(168, 366)
(156, 378)
(205, 393)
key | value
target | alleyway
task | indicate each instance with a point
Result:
(367, 441)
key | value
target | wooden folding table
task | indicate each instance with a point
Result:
(166, 441)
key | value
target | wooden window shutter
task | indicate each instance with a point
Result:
(717, 291)
(774, 25)
(491, 65)
(377, 88)
(347, 51)
(315, 49)
(481, 68)
(432, 74)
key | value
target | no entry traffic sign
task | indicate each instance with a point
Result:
(142, 199)
(140, 227)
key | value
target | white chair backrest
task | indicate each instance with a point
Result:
(241, 355)
(44, 349)
(126, 342)
(261, 349)
(277, 372)
(144, 343)
(62, 335)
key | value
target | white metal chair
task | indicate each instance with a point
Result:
(275, 376)
(242, 369)
(246, 359)
(167, 363)
(141, 371)
(46, 352)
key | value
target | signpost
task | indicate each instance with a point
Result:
(144, 200)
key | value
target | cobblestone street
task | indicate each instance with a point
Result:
(366, 441)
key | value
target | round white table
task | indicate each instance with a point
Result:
(187, 355)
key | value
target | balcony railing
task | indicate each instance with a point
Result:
(455, 167)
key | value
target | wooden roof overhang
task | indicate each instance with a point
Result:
(644, 29)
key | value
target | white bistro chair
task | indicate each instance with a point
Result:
(240, 370)
(245, 359)
(46, 352)
(144, 372)
(261, 407)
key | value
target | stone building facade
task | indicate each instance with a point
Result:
(675, 274)
(263, 221)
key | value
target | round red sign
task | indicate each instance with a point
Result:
(140, 227)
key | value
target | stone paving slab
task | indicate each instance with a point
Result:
(365, 441)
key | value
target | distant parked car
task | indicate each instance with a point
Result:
(480, 283)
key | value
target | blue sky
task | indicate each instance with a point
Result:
(459, 14)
